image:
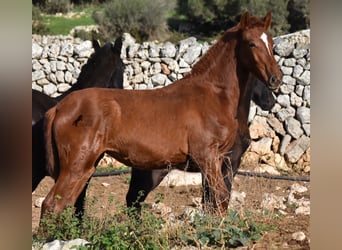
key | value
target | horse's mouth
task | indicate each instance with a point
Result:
(274, 88)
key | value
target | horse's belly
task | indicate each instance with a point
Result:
(150, 155)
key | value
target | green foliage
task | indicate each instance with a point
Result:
(57, 6)
(230, 231)
(205, 10)
(120, 231)
(221, 14)
(143, 19)
(62, 25)
(131, 234)
(85, 35)
(38, 27)
(299, 16)
(279, 25)
(162, 19)
(61, 227)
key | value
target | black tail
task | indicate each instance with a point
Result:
(50, 145)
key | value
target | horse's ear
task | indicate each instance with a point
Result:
(244, 20)
(96, 45)
(118, 44)
(267, 20)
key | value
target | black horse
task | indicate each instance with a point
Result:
(144, 181)
(103, 69)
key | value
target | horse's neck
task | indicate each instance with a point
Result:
(220, 66)
(231, 78)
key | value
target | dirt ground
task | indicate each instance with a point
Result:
(178, 197)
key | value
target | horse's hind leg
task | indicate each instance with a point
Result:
(142, 183)
(71, 181)
(80, 202)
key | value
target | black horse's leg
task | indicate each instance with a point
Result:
(142, 183)
(80, 202)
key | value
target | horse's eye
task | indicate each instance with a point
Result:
(252, 45)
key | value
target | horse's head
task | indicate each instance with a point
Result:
(104, 68)
(255, 50)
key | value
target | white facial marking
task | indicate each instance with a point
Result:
(264, 39)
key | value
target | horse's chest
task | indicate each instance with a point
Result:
(215, 128)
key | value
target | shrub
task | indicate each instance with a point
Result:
(38, 27)
(143, 19)
(86, 35)
(218, 15)
(57, 6)
(279, 25)
(299, 17)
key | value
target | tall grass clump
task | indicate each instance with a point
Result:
(144, 19)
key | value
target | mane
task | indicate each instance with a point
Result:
(210, 57)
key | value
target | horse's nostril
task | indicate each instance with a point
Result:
(273, 80)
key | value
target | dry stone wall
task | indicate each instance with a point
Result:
(281, 137)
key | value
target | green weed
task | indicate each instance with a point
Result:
(120, 231)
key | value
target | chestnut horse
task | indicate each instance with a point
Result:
(194, 119)
(144, 181)
(104, 69)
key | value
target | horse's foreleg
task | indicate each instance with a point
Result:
(216, 194)
(232, 160)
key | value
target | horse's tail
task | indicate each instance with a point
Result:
(50, 145)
